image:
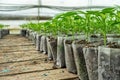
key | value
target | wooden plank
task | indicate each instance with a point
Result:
(56, 74)
(24, 67)
(19, 62)
(20, 56)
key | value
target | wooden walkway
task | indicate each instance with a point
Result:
(20, 61)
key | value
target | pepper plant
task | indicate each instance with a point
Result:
(1, 26)
(76, 22)
(68, 23)
(106, 20)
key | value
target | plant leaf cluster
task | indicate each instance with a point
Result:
(105, 21)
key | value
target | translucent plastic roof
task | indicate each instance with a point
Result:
(27, 7)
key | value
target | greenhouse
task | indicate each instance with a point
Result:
(59, 39)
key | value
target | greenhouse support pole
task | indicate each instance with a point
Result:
(89, 4)
(39, 3)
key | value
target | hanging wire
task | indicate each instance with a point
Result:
(18, 7)
(61, 8)
(15, 4)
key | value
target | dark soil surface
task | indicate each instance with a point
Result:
(81, 42)
(113, 45)
(94, 36)
(69, 41)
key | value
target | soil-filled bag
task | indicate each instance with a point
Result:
(30, 35)
(43, 45)
(108, 63)
(5, 32)
(91, 59)
(23, 32)
(69, 57)
(1, 35)
(49, 52)
(38, 39)
(79, 60)
(60, 48)
(53, 48)
(112, 35)
(27, 33)
(118, 42)
(60, 52)
(113, 39)
(95, 38)
(34, 37)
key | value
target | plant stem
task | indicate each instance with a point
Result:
(105, 40)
